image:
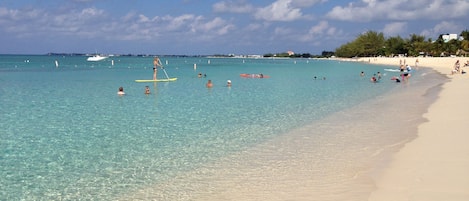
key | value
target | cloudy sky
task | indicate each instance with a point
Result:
(198, 27)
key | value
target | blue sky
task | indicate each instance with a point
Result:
(200, 27)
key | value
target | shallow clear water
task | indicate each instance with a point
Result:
(67, 135)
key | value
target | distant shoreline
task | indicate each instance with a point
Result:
(443, 65)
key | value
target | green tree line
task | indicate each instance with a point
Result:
(373, 43)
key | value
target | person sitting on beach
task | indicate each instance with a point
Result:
(121, 92)
(147, 90)
(209, 84)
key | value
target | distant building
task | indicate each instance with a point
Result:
(290, 53)
(447, 37)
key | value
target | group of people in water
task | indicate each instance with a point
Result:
(157, 63)
(209, 83)
(121, 92)
(405, 74)
(375, 78)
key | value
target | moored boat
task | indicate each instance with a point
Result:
(96, 58)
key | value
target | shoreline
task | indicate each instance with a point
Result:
(435, 165)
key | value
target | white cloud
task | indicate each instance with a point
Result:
(217, 26)
(175, 23)
(253, 27)
(332, 31)
(319, 28)
(90, 13)
(280, 10)
(395, 28)
(37, 22)
(274, 24)
(143, 18)
(370, 10)
(181, 27)
(282, 31)
(96, 23)
(442, 28)
(305, 3)
(319, 32)
(239, 6)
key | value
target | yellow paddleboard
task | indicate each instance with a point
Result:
(159, 80)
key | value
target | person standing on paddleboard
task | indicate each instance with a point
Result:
(156, 63)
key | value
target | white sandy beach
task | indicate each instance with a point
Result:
(435, 165)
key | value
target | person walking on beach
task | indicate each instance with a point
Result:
(457, 66)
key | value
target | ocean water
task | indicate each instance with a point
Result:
(66, 135)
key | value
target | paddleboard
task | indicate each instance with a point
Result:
(253, 75)
(159, 80)
(392, 70)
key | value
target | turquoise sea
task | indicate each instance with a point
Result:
(66, 135)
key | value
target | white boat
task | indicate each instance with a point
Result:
(96, 58)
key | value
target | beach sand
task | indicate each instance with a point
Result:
(435, 165)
